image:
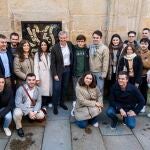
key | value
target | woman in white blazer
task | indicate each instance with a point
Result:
(42, 62)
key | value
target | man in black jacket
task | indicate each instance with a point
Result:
(61, 66)
(6, 105)
(126, 100)
(131, 40)
(13, 44)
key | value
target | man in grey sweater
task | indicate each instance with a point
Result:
(28, 103)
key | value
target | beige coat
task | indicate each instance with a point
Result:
(146, 61)
(43, 73)
(86, 99)
(100, 61)
(21, 69)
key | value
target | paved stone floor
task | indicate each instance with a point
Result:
(60, 133)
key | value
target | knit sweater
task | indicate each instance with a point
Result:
(130, 99)
(99, 61)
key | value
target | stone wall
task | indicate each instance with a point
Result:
(78, 16)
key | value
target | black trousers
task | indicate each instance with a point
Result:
(144, 88)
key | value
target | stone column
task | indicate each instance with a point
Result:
(123, 16)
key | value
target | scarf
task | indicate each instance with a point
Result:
(130, 57)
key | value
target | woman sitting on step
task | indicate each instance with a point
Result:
(89, 101)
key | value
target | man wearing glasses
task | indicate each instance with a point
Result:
(131, 40)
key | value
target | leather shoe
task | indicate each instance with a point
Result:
(20, 132)
(64, 106)
(55, 111)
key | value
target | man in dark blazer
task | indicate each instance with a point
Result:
(6, 61)
(61, 66)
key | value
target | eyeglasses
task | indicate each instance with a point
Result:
(3, 42)
(80, 41)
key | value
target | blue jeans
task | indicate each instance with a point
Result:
(60, 88)
(100, 81)
(130, 121)
(85, 123)
(7, 119)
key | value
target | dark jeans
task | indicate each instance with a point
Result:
(130, 121)
(60, 88)
(144, 88)
(85, 123)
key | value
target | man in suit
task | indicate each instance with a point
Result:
(61, 65)
(6, 61)
(28, 103)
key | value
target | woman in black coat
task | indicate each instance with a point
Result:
(131, 63)
(6, 105)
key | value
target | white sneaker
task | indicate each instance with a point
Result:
(96, 124)
(50, 105)
(7, 131)
(143, 109)
(148, 115)
(72, 111)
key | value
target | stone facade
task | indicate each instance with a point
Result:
(78, 16)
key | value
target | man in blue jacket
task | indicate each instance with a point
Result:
(126, 100)
(6, 61)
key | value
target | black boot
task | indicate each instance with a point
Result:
(55, 110)
(20, 132)
(64, 106)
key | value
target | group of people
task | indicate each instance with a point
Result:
(31, 82)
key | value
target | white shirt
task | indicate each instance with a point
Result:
(5, 61)
(66, 55)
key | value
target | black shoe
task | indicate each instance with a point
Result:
(20, 132)
(114, 123)
(55, 111)
(64, 106)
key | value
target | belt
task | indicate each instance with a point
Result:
(7, 77)
(67, 66)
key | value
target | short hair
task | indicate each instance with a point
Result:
(2, 36)
(129, 45)
(62, 33)
(98, 32)
(131, 32)
(81, 37)
(123, 73)
(146, 29)
(30, 75)
(145, 40)
(82, 83)
(14, 34)
(2, 76)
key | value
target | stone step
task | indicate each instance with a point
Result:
(32, 140)
(57, 135)
(83, 141)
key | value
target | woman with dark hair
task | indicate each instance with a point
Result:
(89, 101)
(23, 61)
(115, 53)
(42, 62)
(131, 63)
(6, 105)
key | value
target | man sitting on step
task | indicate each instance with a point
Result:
(28, 103)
